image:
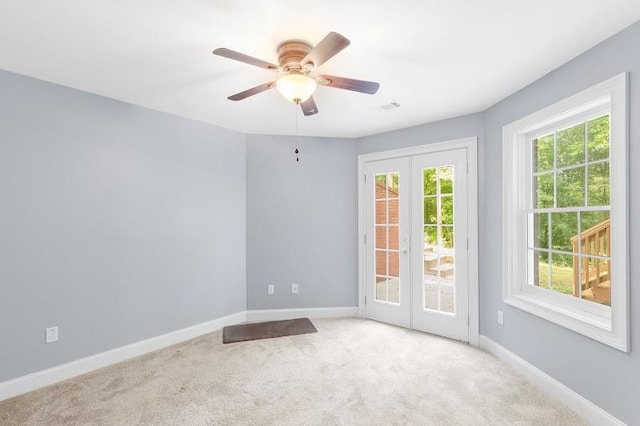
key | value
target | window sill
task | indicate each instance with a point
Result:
(588, 324)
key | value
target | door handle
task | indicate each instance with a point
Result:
(403, 250)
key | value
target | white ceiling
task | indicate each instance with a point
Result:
(437, 58)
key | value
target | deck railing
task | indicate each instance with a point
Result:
(595, 241)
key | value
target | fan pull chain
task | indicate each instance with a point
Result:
(297, 151)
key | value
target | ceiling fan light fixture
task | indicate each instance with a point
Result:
(296, 88)
(297, 59)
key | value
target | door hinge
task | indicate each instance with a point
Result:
(365, 300)
(468, 321)
(467, 244)
(365, 238)
(467, 168)
(365, 178)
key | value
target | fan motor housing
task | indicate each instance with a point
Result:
(290, 53)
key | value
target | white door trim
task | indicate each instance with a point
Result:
(471, 145)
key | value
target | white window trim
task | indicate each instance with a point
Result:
(609, 326)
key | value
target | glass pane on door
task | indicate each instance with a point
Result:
(387, 250)
(438, 239)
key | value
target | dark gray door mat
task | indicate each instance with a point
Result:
(267, 330)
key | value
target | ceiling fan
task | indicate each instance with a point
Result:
(297, 60)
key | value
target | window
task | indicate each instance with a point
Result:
(387, 237)
(565, 213)
(569, 225)
(438, 249)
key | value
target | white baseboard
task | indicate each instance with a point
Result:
(580, 405)
(56, 374)
(75, 368)
(284, 314)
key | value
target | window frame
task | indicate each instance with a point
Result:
(607, 325)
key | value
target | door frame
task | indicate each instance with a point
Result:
(471, 145)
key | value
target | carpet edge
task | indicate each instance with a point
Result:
(570, 398)
(78, 367)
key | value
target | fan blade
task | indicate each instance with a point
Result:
(253, 91)
(237, 56)
(361, 86)
(328, 47)
(309, 106)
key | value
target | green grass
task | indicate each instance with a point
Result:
(561, 277)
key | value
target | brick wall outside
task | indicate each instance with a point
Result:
(382, 245)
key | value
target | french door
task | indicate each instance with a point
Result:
(416, 257)
(388, 241)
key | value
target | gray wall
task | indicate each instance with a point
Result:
(301, 222)
(117, 223)
(605, 376)
(439, 131)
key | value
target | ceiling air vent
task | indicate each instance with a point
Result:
(391, 105)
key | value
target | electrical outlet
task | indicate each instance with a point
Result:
(294, 288)
(271, 289)
(51, 334)
(500, 318)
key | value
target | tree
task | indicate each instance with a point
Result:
(562, 160)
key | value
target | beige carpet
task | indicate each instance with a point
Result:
(352, 372)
